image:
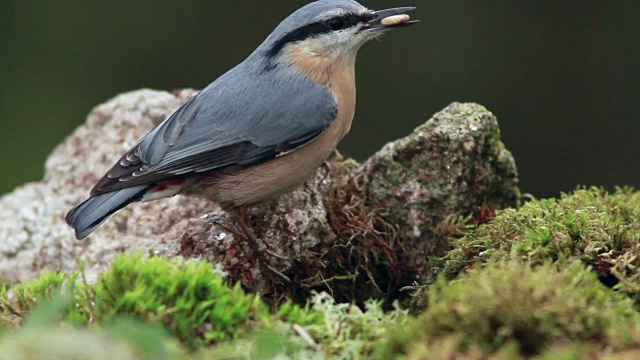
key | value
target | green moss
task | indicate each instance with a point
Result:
(46, 286)
(195, 307)
(189, 298)
(346, 332)
(46, 335)
(18, 301)
(347, 165)
(598, 228)
(509, 306)
(396, 173)
(6, 311)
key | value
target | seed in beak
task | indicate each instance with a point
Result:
(394, 20)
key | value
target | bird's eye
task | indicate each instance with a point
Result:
(336, 24)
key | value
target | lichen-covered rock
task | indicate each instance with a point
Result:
(33, 234)
(354, 230)
(449, 165)
(454, 164)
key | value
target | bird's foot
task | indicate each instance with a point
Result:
(238, 234)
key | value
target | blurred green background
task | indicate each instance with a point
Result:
(563, 77)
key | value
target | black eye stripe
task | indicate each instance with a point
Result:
(353, 19)
(314, 29)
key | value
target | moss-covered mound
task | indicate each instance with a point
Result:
(553, 279)
(518, 310)
(189, 298)
(145, 307)
(600, 229)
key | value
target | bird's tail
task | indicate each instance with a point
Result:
(88, 215)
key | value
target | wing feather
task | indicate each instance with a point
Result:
(242, 118)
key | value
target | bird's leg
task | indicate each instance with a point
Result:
(252, 240)
(230, 229)
(216, 221)
(328, 164)
(248, 234)
(253, 245)
(244, 231)
(337, 155)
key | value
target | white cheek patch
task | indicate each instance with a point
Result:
(342, 36)
(337, 43)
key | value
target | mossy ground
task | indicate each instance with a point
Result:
(600, 229)
(556, 278)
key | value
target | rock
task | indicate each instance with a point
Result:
(454, 164)
(356, 230)
(32, 228)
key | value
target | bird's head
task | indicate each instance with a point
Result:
(327, 30)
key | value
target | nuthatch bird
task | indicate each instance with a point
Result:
(258, 131)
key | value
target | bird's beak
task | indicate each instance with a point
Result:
(389, 19)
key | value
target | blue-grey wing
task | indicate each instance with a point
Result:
(240, 119)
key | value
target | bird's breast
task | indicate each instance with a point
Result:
(334, 72)
(343, 88)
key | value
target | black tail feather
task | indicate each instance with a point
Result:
(88, 215)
